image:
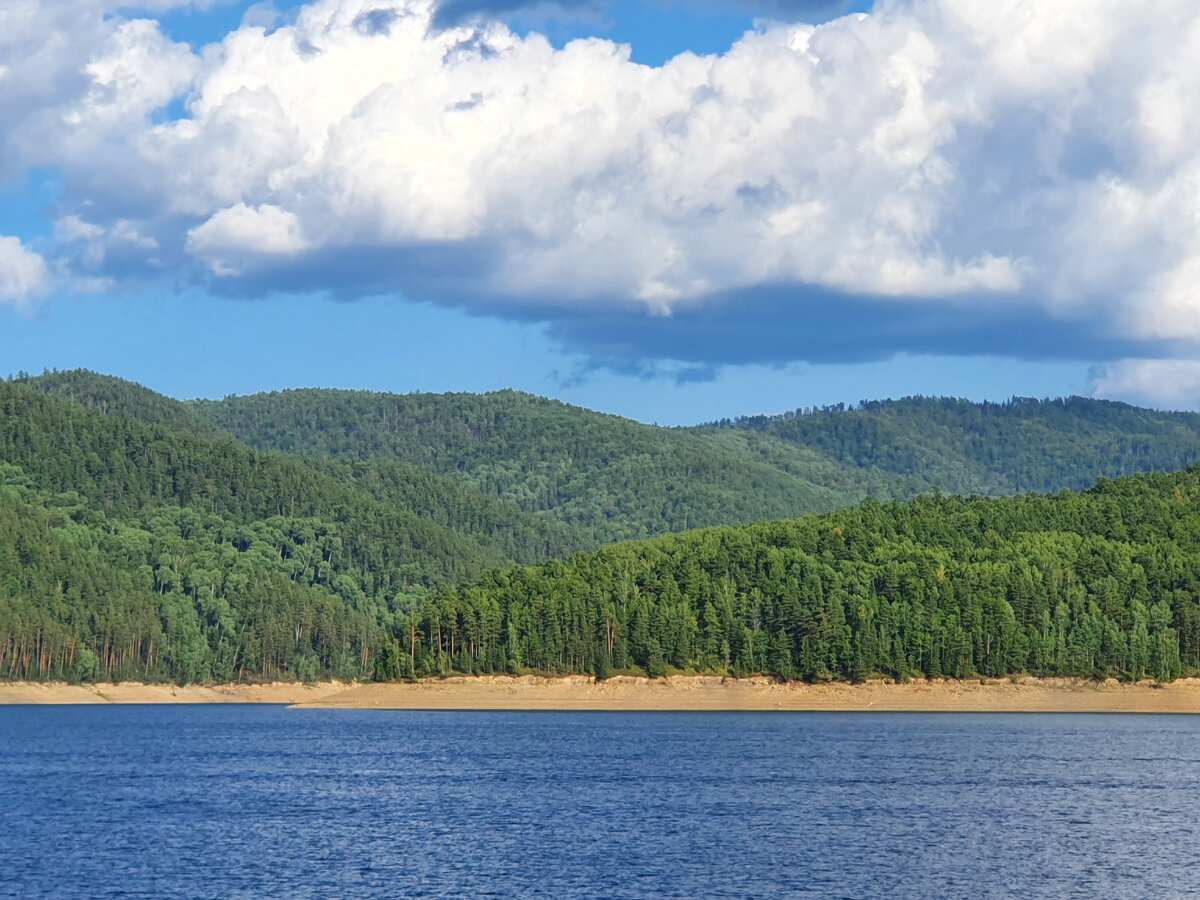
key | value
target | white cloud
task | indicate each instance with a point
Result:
(954, 151)
(1162, 383)
(234, 237)
(23, 273)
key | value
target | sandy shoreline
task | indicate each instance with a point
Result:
(678, 693)
(55, 693)
(713, 693)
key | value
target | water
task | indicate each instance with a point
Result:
(254, 801)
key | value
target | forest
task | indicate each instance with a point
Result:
(1019, 445)
(141, 538)
(608, 479)
(1105, 582)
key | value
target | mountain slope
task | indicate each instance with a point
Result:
(1100, 583)
(172, 550)
(119, 398)
(604, 478)
(167, 553)
(993, 448)
(611, 476)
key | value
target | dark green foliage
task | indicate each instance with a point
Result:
(607, 476)
(119, 398)
(183, 596)
(135, 550)
(138, 539)
(1100, 583)
(992, 448)
(592, 478)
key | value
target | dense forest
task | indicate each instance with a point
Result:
(140, 537)
(992, 449)
(614, 477)
(1100, 583)
(607, 478)
(173, 554)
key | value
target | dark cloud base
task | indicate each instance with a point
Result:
(779, 325)
(768, 325)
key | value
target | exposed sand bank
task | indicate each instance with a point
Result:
(132, 692)
(714, 693)
(680, 692)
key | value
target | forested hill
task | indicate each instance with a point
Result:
(118, 398)
(167, 553)
(624, 479)
(992, 448)
(607, 478)
(140, 539)
(611, 477)
(1100, 583)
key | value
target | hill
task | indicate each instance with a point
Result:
(606, 478)
(613, 477)
(1100, 583)
(991, 448)
(180, 540)
(620, 479)
(168, 553)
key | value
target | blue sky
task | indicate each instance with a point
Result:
(795, 215)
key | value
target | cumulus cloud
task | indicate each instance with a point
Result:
(938, 174)
(23, 273)
(225, 240)
(1162, 383)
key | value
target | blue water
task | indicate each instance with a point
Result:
(254, 801)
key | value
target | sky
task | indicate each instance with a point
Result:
(674, 211)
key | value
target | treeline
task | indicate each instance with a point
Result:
(605, 478)
(1095, 584)
(1016, 446)
(181, 596)
(612, 477)
(134, 550)
(386, 510)
(140, 539)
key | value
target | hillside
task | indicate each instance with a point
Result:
(169, 553)
(992, 448)
(613, 477)
(144, 531)
(620, 479)
(606, 478)
(1095, 584)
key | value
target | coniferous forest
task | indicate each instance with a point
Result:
(314, 534)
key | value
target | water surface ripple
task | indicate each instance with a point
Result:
(254, 801)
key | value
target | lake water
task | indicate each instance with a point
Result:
(256, 801)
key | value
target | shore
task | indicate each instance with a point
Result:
(57, 693)
(713, 693)
(677, 693)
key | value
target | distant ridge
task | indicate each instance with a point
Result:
(1022, 444)
(615, 479)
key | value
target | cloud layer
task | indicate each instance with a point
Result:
(23, 274)
(938, 176)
